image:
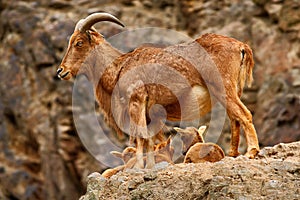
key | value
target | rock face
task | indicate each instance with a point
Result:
(41, 156)
(275, 174)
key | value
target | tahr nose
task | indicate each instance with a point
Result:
(59, 70)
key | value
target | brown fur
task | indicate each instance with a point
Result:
(110, 172)
(126, 155)
(194, 147)
(163, 153)
(204, 152)
(111, 66)
(190, 136)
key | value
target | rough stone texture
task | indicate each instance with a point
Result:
(274, 174)
(41, 156)
(278, 106)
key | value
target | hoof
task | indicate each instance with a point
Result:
(252, 153)
(234, 153)
(139, 165)
(149, 166)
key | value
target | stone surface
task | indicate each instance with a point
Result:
(41, 156)
(278, 104)
(274, 174)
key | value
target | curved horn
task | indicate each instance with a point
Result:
(87, 23)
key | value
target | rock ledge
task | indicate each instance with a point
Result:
(274, 174)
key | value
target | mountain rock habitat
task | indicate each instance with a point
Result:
(274, 174)
(41, 155)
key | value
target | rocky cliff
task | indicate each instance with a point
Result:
(41, 155)
(275, 174)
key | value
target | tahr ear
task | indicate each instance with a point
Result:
(116, 154)
(94, 36)
(178, 130)
(201, 132)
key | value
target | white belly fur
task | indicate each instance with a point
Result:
(195, 103)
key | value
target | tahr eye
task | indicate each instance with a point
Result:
(79, 44)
